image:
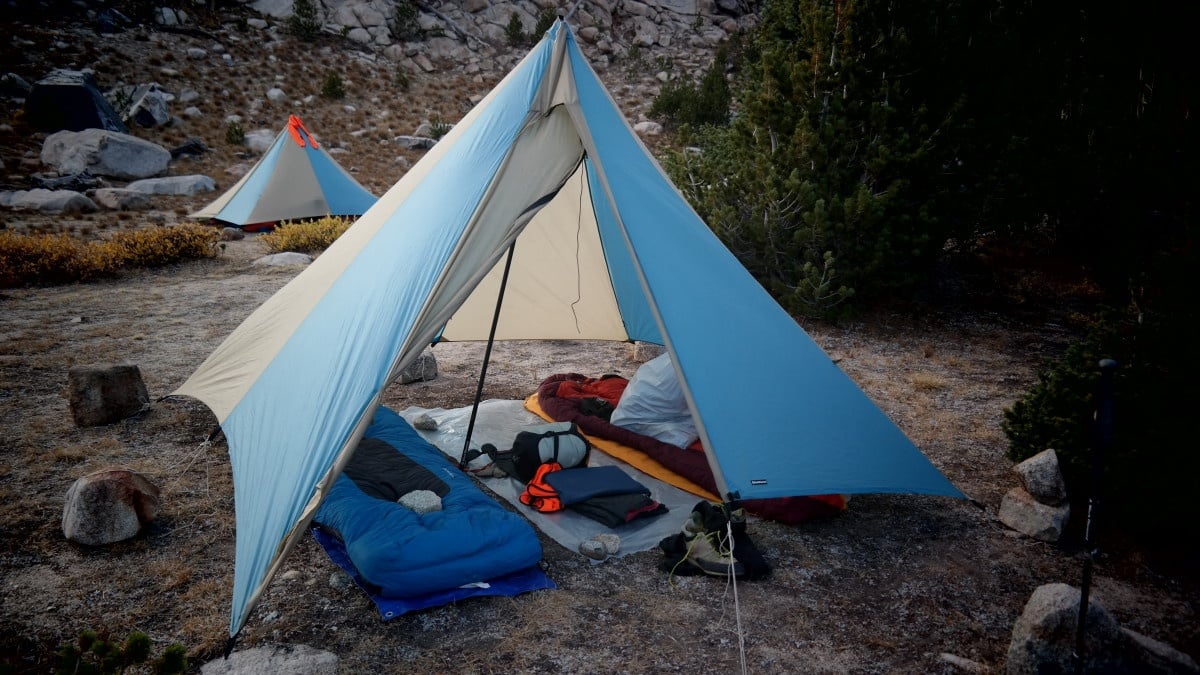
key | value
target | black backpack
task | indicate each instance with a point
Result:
(559, 442)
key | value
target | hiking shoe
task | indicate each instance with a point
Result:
(737, 521)
(708, 517)
(737, 515)
(694, 525)
(705, 553)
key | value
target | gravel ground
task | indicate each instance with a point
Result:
(891, 585)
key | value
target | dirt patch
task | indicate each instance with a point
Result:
(889, 585)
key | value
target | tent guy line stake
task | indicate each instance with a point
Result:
(487, 355)
(737, 607)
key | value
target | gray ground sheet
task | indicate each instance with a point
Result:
(498, 422)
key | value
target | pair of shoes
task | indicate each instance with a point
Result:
(601, 546)
(707, 546)
(706, 553)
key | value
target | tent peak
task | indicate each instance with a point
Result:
(299, 132)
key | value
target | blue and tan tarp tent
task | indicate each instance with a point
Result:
(296, 179)
(604, 247)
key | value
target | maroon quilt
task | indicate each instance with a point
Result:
(561, 396)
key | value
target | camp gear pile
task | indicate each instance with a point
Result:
(561, 397)
(603, 493)
(498, 421)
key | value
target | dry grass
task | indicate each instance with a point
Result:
(928, 382)
(72, 454)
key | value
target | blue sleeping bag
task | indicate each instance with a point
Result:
(472, 538)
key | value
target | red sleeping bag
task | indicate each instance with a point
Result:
(562, 396)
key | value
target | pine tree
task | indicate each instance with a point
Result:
(837, 173)
(697, 104)
(303, 23)
(515, 31)
(404, 20)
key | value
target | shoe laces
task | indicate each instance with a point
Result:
(717, 542)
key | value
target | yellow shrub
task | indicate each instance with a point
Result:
(165, 245)
(61, 258)
(311, 236)
(53, 258)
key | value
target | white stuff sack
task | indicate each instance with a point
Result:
(653, 404)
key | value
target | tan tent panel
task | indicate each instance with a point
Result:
(558, 287)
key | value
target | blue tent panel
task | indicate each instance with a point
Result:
(815, 431)
(635, 311)
(339, 356)
(240, 208)
(343, 194)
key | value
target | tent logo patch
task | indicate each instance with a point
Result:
(759, 481)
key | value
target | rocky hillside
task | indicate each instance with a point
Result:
(212, 66)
